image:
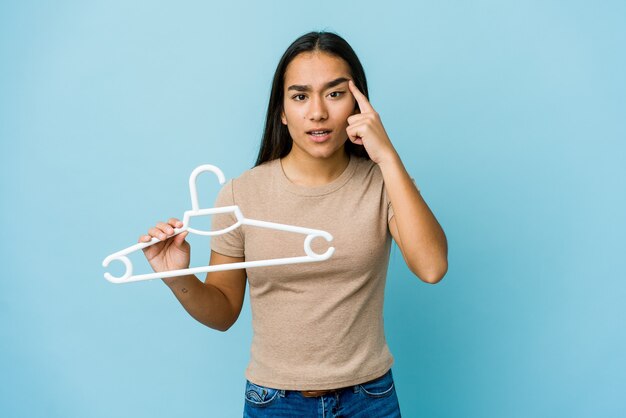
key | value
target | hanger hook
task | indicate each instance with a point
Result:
(192, 181)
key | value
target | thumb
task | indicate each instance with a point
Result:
(180, 238)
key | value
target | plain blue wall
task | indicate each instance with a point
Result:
(510, 116)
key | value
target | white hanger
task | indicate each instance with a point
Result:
(311, 234)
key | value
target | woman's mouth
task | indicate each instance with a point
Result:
(320, 135)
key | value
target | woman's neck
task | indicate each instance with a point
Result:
(314, 172)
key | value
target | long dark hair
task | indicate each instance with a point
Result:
(276, 141)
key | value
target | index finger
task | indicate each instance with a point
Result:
(175, 222)
(362, 101)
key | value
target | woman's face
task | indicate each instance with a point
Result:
(317, 103)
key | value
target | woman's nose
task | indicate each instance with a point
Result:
(317, 109)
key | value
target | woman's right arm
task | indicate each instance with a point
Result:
(215, 303)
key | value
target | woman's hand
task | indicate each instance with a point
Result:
(366, 129)
(172, 253)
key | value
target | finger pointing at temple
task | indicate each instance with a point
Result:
(364, 104)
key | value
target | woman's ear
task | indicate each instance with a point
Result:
(283, 118)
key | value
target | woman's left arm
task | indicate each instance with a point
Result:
(414, 227)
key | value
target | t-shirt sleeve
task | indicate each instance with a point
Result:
(390, 206)
(231, 243)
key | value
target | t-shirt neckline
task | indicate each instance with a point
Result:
(301, 190)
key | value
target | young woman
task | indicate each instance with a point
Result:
(326, 163)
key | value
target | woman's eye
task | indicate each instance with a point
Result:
(299, 97)
(335, 94)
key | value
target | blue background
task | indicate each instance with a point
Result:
(509, 115)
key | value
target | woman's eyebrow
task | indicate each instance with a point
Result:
(330, 84)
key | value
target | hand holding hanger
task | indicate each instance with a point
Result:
(172, 252)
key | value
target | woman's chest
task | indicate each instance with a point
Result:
(358, 226)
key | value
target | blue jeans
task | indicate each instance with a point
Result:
(374, 399)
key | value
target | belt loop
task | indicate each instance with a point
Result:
(355, 388)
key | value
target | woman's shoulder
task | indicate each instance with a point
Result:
(255, 176)
(254, 182)
(247, 184)
(367, 169)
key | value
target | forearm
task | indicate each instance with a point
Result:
(424, 243)
(203, 301)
